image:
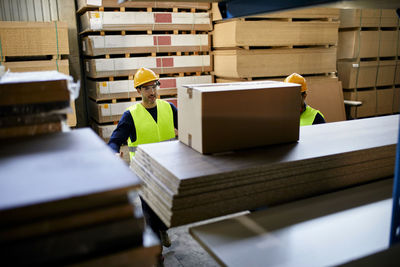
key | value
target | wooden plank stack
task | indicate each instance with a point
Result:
(183, 186)
(368, 52)
(59, 205)
(36, 46)
(171, 38)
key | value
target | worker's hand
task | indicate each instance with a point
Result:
(176, 132)
(120, 154)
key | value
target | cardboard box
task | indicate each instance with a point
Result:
(224, 117)
(94, 45)
(143, 21)
(274, 33)
(126, 89)
(358, 44)
(347, 72)
(33, 38)
(350, 18)
(385, 101)
(368, 99)
(112, 67)
(273, 62)
(84, 4)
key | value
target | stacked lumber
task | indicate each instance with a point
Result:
(36, 46)
(368, 53)
(171, 38)
(59, 205)
(33, 103)
(329, 230)
(183, 186)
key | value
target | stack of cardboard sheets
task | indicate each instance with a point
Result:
(184, 186)
(59, 204)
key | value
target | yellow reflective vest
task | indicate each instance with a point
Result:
(308, 116)
(149, 131)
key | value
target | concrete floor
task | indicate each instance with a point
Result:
(185, 251)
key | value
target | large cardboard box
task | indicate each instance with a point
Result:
(366, 76)
(273, 62)
(350, 18)
(368, 99)
(33, 38)
(358, 44)
(224, 117)
(274, 33)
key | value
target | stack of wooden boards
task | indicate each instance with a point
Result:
(35, 46)
(368, 63)
(327, 230)
(33, 103)
(171, 38)
(183, 186)
(60, 206)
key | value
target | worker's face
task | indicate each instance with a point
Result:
(149, 93)
(303, 98)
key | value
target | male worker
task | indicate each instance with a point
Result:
(150, 121)
(308, 115)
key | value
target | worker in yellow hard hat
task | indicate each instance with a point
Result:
(151, 120)
(308, 115)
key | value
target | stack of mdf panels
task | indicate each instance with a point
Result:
(276, 45)
(33, 103)
(368, 52)
(35, 46)
(60, 207)
(183, 186)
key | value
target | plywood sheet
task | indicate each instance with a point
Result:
(355, 43)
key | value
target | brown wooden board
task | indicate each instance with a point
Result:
(38, 65)
(30, 130)
(350, 18)
(341, 226)
(58, 174)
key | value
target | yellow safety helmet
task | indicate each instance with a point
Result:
(297, 78)
(144, 75)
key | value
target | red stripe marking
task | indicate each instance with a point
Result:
(164, 40)
(155, 40)
(168, 83)
(168, 62)
(162, 18)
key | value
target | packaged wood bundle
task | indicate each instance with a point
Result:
(111, 112)
(184, 186)
(112, 67)
(33, 38)
(267, 111)
(274, 33)
(125, 88)
(350, 18)
(67, 209)
(273, 62)
(140, 21)
(122, 44)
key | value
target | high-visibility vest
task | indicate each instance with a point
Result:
(308, 116)
(149, 131)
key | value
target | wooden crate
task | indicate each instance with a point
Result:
(142, 21)
(33, 38)
(274, 33)
(135, 44)
(273, 62)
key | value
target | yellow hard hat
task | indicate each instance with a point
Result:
(144, 75)
(297, 78)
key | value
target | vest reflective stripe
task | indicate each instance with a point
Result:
(147, 130)
(308, 116)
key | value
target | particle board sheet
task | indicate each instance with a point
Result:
(350, 18)
(274, 33)
(108, 112)
(85, 4)
(141, 21)
(273, 62)
(195, 187)
(355, 221)
(38, 65)
(136, 44)
(112, 67)
(19, 38)
(68, 172)
(125, 88)
(355, 43)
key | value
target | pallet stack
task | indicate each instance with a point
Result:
(368, 60)
(36, 46)
(170, 38)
